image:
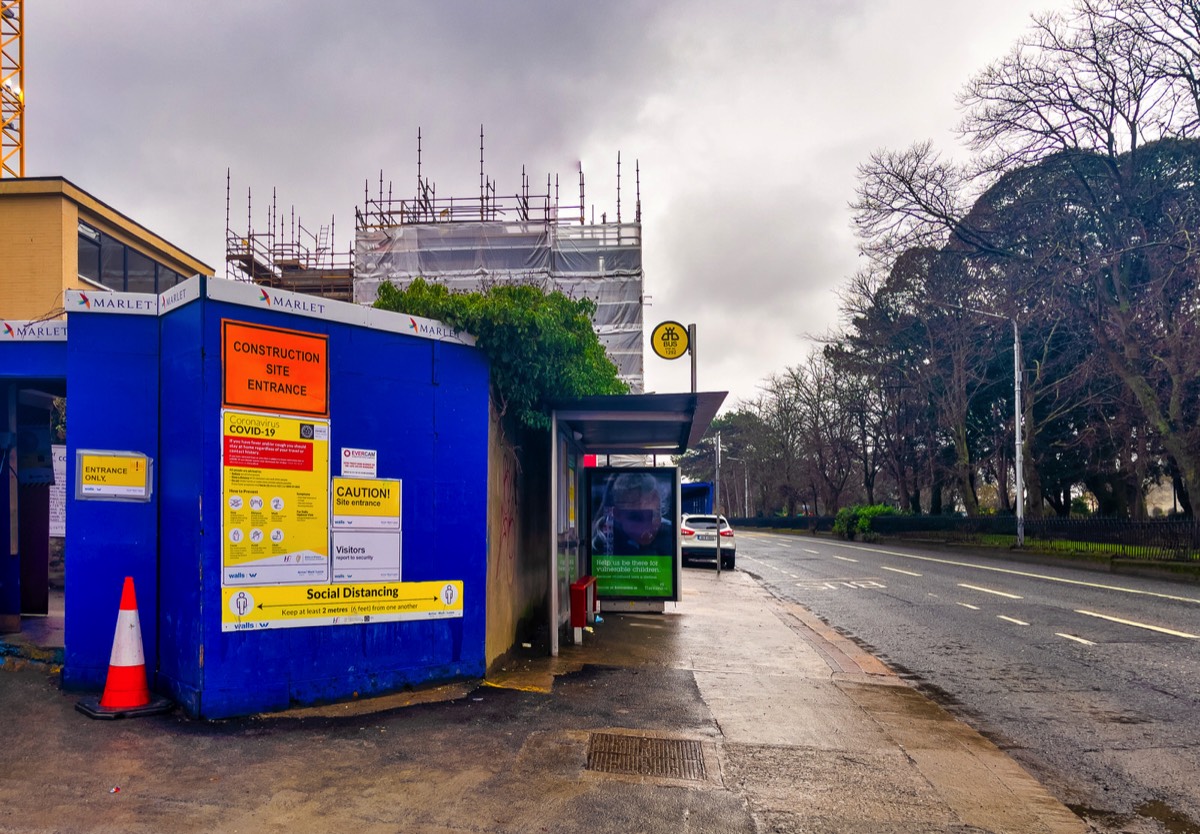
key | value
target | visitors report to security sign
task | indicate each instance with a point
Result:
(366, 530)
(275, 499)
(273, 369)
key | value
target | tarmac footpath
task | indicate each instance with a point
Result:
(732, 712)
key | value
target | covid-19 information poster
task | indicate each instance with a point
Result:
(275, 473)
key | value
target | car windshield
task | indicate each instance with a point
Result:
(704, 522)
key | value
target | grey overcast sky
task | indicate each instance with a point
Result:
(748, 119)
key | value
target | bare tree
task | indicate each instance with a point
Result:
(1170, 32)
(778, 407)
(1089, 108)
(828, 445)
(883, 353)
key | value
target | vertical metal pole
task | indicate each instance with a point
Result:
(692, 351)
(717, 498)
(746, 488)
(1017, 414)
(554, 602)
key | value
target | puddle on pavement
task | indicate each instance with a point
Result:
(1172, 821)
(1175, 822)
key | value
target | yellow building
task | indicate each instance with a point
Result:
(55, 236)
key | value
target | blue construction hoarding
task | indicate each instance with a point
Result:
(311, 521)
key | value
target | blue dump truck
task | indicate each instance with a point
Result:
(696, 498)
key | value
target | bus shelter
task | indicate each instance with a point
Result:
(632, 431)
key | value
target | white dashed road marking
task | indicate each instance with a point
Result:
(989, 591)
(1011, 572)
(1073, 637)
(1136, 624)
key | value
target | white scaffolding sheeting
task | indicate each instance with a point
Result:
(602, 262)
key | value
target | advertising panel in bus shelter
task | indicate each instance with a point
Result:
(634, 532)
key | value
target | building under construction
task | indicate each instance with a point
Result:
(466, 244)
(287, 255)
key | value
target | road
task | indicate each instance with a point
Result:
(1090, 680)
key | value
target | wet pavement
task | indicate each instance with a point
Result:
(731, 712)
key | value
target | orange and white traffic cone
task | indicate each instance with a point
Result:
(125, 691)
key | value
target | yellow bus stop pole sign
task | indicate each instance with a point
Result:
(669, 340)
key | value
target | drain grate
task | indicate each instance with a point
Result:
(640, 755)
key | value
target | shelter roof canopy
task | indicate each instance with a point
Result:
(660, 424)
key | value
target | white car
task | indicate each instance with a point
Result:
(701, 538)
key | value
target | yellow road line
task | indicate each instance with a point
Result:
(968, 605)
(1011, 619)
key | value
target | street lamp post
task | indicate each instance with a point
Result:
(717, 496)
(1020, 467)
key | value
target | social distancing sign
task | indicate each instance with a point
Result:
(294, 606)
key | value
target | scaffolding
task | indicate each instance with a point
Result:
(469, 244)
(287, 256)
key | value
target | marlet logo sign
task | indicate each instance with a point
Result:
(265, 299)
(85, 301)
(34, 330)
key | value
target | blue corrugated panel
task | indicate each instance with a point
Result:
(112, 384)
(181, 473)
(33, 361)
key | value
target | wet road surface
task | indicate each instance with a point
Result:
(1091, 680)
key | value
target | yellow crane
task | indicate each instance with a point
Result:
(12, 88)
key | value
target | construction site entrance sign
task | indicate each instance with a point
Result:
(273, 369)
